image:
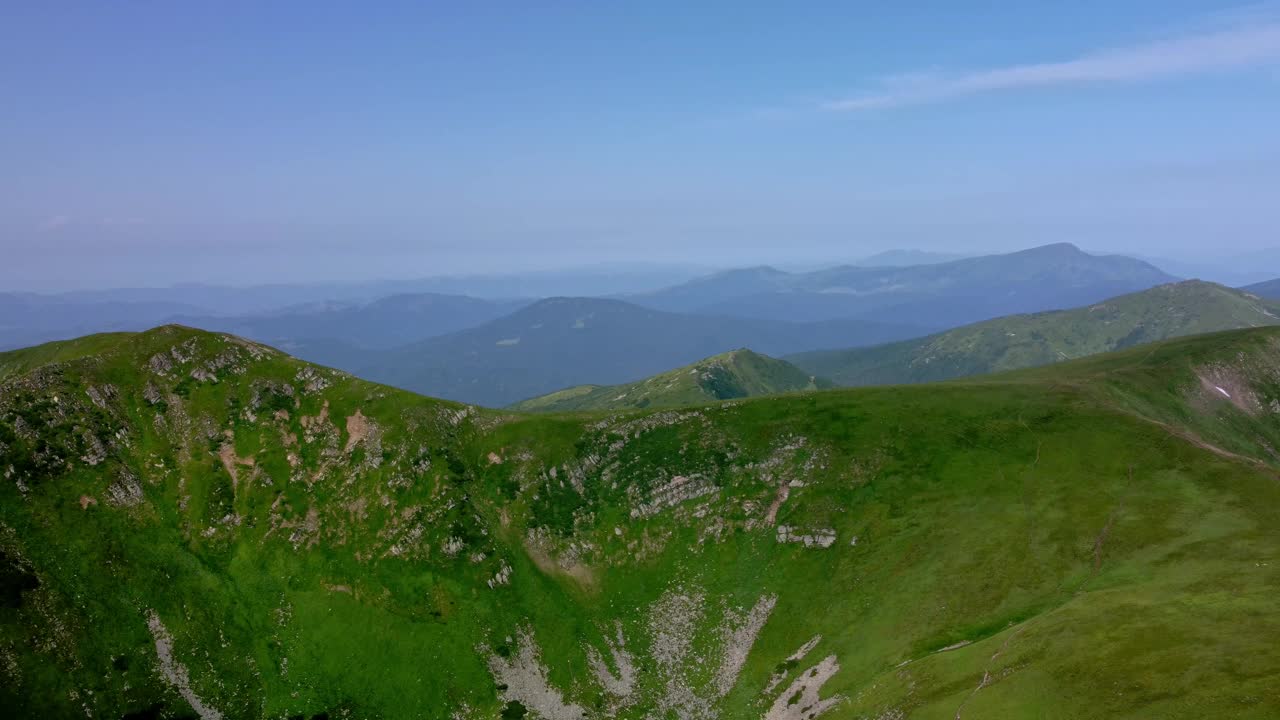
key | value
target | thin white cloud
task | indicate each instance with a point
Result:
(121, 222)
(55, 222)
(1251, 45)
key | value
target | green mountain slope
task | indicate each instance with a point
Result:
(1020, 341)
(192, 525)
(16, 362)
(735, 374)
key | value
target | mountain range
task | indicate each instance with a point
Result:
(196, 525)
(562, 342)
(30, 318)
(384, 323)
(942, 294)
(497, 352)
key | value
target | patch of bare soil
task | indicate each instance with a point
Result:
(357, 430)
(227, 454)
(539, 550)
(1224, 384)
(771, 516)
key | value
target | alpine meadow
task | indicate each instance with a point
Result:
(280, 539)
(640, 361)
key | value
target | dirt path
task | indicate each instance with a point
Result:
(986, 673)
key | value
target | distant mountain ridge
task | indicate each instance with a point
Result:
(942, 294)
(1187, 308)
(735, 374)
(907, 257)
(27, 318)
(383, 323)
(564, 342)
(1269, 289)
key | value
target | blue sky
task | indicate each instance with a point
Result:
(149, 143)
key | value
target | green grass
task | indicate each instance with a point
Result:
(1022, 341)
(727, 376)
(16, 362)
(1102, 533)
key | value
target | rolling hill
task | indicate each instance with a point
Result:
(564, 342)
(1186, 308)
(943, 294)
(735, 374)
(195, 525)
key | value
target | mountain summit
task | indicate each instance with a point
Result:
(727, 376)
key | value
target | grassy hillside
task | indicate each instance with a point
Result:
(735, 374)
(192, 525)
(1021, 341)
(16, 362)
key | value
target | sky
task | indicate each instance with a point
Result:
(148, 143)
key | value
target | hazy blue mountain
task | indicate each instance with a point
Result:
(942, 294)
(28, 319)
(1224, 271)
(302, 316)
(1267, 289)
(906, 258)
(715, 288)
(562, 342)
(231, 300)
(383, 323)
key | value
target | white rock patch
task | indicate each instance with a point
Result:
(739, 634)
(526, 682)
(175, 673)
(800, 701)
(822, 537)
(622, 684)
(795, 657)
